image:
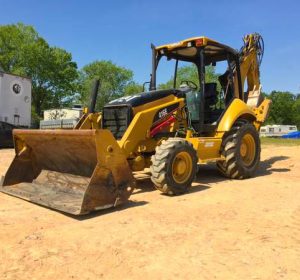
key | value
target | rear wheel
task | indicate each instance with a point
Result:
(241, 150)
(174, 166)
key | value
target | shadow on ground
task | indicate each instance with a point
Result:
(265, 167)
(128, 204)
(145, 184)
(207, 174)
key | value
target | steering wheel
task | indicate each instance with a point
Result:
(190, 84)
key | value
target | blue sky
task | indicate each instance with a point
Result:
(122, 31)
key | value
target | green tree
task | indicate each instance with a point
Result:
(53, 73)
(133, 88)
(113, 81)
(296, 112)
(190, 73)
(14, 39)
(281, 111)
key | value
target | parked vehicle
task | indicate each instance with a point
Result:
(65, 118)
(277, 130)
(169, 131)
(6, 138)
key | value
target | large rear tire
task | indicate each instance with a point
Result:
(241, 150)
(174, 166)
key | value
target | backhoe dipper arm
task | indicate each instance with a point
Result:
(250, 59)
(251, 55)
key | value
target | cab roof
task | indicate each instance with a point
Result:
(187, 49)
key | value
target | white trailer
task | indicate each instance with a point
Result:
(276, 130)
(62, 114)
(15, 100)
(65, 118)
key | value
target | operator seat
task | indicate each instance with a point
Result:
(210, 94)
(211, 113)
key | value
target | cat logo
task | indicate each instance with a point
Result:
(164, 113)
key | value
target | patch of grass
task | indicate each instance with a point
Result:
(280, 141)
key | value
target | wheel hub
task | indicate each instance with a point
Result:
(247, 149)
(182, 167)
(243, 149)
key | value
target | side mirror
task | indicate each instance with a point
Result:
(144, 85)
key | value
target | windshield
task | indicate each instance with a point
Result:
(168, 77)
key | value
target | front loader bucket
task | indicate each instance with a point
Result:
(74, 171)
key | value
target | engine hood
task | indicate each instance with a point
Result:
(143, 98)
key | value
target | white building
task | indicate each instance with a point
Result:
(276, 130)
(15, 99)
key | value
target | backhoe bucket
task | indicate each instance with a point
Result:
(75, 171)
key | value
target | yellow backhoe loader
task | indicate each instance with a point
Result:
(169, 131)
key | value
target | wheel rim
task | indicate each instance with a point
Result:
(182, 167)
(247, 149)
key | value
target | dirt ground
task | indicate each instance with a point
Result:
(221, 229)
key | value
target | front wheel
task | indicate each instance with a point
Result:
(174, 166)
(241, 150)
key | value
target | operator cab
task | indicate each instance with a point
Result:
(214, 83)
